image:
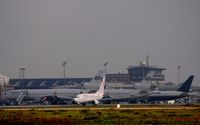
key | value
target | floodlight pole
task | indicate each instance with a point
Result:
(178, 68)
(105, 64)
(64, 67)
(143, 65)
(22, 73)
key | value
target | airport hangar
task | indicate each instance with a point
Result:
(135, 74)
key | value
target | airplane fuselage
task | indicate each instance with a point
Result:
(38, 93)
(165, 95)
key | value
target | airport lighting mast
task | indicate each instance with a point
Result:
(178, 68)
(22, 73)
(105, 64)
(143, 65)
(64, 67)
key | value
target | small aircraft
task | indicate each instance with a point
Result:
(91, 97)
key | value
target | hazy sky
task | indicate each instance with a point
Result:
(40, 34)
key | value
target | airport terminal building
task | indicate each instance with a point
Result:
(135, 74)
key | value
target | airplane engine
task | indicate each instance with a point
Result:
(96, 102)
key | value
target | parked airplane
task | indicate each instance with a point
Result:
(91, 97)
(112, 95)
(35, 94)
(173, 86)
(181, 92)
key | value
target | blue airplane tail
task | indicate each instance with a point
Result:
(185, 87)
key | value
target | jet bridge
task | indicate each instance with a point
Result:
(21, 96)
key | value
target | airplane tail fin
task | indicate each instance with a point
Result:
(100, 92)
(185, 87)
(94, 83)
(102, 85)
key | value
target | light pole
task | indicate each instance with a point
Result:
(22, 73)
(64, 64)
(178, 68)
(105, 64)
(143, 65)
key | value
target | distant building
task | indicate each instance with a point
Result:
(44, 83)
(135, 74)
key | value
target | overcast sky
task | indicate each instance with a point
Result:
(40, 35)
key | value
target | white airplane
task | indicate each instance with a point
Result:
(112, 95)
(91, 97)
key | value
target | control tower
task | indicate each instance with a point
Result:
(147, 72)
(138, 73)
